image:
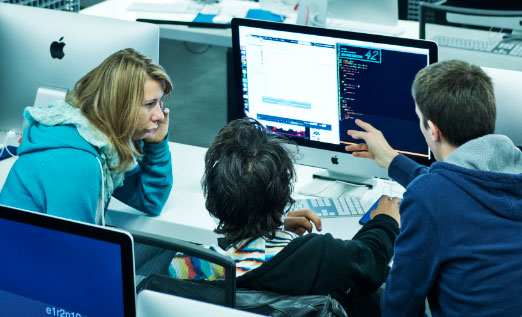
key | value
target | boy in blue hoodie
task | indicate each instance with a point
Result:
(461, 217)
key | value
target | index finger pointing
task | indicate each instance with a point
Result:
(365, 125)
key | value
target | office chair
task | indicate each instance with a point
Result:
(153, 273)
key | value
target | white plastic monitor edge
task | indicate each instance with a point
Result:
(151, 303)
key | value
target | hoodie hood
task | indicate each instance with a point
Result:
(489, 169)
(41, 137)
(60, 125)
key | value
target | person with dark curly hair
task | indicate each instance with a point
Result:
(248, 185)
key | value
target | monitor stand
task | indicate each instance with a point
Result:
(330, 184)
(46, 95)
(350, 179)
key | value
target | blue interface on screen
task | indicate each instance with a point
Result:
(314, 87)
(52, 273)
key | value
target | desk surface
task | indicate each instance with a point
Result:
(118, 9)
(220, 37)
(185, 216)
(408, 29)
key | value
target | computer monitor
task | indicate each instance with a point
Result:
(49, 51)
(507, 96)
(385, 12)
(57, 267)
(310, 84)
(504, 15)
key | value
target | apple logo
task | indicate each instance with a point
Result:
(57, 49)
(335, 160)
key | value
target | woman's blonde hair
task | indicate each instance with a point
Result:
(110, 96)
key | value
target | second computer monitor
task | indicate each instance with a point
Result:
(58, 267)
(49, 51)
(384, 12)
(310, 84)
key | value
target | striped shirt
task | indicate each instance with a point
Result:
(248, 255)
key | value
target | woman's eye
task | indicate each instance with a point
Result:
(150, 104)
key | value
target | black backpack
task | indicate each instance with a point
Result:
(259, 302)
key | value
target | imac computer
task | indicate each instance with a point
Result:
(58, 267)
(376, 16)
(310, 84)
(48, 51)
(509, 108)
(385, 12)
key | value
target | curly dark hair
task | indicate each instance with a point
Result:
(248, 180)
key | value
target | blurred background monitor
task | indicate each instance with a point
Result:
(384, 12)
(492, 17)
(509, 106)
(48, 51)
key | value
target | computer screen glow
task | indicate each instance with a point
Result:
(314, 87)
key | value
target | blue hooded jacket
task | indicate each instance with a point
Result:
(58, 173)
(459, 244)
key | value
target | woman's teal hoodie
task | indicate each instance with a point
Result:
(59, 173)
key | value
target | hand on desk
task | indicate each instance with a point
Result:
(300, 221)
(388, 207)
(375, 147)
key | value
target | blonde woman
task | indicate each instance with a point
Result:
(108, 139)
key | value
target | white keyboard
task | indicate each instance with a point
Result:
(189, 7)
(512, 48)
(332, 207)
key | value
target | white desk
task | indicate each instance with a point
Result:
(222, 37)
(117, 9)
(185, 216)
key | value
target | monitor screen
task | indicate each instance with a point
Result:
(310, 84)
(57, 267)
(49, 51)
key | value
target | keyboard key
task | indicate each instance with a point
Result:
(332, 207)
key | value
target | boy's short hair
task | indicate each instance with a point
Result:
(458, 97)
(248, 180)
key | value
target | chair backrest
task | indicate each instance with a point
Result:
(197, 251)
(255, 301)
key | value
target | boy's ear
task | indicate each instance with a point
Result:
(434, 131)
